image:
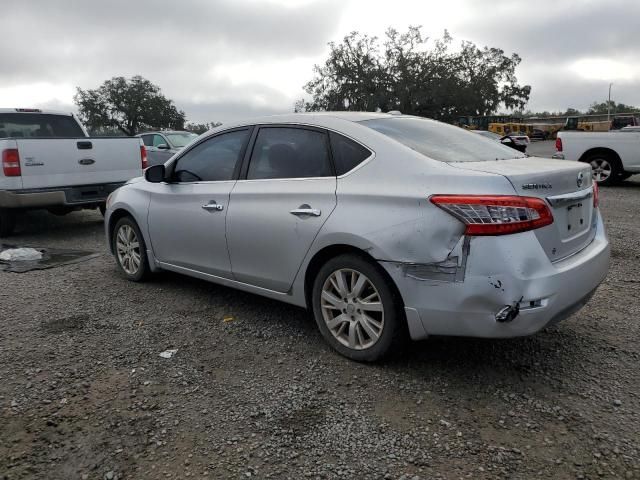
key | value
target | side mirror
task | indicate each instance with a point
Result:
(162, 146)
(155, 174)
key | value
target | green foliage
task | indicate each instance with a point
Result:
(605, 106)
(200, 128)
(411, 74)
(128, 105)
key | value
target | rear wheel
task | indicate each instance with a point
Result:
(130, 250)
(7, 222)
(356, 308)
(604, 168)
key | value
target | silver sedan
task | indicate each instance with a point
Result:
(384, 226)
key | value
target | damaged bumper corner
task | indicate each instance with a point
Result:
(464, 293)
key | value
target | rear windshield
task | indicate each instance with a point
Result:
(440, 141)
(38, 125)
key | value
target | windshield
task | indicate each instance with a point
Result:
(180, 139)
(440, 141)
(38, 125)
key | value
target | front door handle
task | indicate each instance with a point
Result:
(212, 206)
(303, 210)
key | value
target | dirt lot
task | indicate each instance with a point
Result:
(254, 392)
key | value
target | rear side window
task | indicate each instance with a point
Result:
(38, 125)
(282, 152)
(347, 154)
(212, 160)
(440, 141)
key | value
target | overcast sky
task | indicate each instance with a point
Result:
(221, 60)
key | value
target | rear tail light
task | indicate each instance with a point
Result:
(596, 194)
(143, 157)
(11, 162)
(559, 144)
(495, 214)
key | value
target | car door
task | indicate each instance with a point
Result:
(187, 214)
(285, 194)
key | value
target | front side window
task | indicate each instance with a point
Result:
(213, 160)
(283, 152)
(347, 154)
(441, 141)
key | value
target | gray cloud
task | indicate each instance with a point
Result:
(176, 44)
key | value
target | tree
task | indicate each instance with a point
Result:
(200, 128)
(602, 108)
(129, 105)
(411, 74)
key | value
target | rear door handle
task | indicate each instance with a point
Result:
(84, 145)
(303, 210)
(212, 207)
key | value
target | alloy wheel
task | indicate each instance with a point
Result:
(128, 249)
(601, 169)
(352, 309)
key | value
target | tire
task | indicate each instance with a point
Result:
(605, 168)
(7, 222)
(125, 236)
(344, 324)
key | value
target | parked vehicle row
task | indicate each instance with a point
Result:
(49, 161)
(377, 223)
(516, 141)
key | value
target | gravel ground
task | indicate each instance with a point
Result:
(253, 391)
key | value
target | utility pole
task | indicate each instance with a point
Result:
(609, 107)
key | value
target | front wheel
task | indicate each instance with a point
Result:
(356, 308)
(130, 250)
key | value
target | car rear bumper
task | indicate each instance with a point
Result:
(60, 196)
(511, 270)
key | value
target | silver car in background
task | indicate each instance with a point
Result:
(380, 224)
(161, 146)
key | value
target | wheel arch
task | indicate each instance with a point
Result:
(602, 151)
(325, 254)
(115, 216)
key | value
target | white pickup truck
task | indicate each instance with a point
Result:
(614, 156)
(49, 161)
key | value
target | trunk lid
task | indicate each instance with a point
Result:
(568, 190)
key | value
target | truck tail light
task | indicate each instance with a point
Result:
(559, 144)
(11, 162)
(596, 194)
(143, 157)
(495, 214)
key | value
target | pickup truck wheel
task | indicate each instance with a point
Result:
(130, 250)
(605, 169)
(7, 222)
